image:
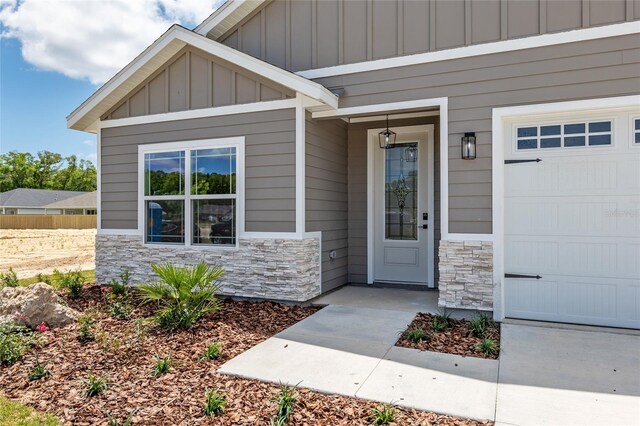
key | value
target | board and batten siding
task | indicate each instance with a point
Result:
(269, 165)
(581, 70)
(301, 35)
(358, 191)
(327, 196)
(194, 79)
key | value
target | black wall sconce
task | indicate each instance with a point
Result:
(469, 146)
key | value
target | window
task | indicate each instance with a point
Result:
(565, 135)
(190, 194)
(636, 130)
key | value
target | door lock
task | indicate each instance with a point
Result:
(425, 216)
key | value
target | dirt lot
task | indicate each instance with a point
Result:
(33, 251)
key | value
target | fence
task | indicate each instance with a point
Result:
(28, 221)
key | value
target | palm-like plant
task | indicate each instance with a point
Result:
(184, 293)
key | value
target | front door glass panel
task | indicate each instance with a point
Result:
(401, 192)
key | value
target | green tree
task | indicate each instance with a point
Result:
(16, 170)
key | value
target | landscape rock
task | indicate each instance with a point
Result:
(33, 305)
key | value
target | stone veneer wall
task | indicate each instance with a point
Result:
(263, 268)
(466, 274)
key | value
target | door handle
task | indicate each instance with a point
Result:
(537, 277)
(425, 226)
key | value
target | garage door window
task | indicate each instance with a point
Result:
(565, 135)
(636, 130)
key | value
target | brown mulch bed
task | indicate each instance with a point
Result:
(126, 356)
(455, 339)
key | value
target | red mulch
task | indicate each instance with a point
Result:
(126, 358)
(455, 339)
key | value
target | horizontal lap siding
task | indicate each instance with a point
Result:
(358, 191)
(326, 195)
(269, 165)
(583, 70)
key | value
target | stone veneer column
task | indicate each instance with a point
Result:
(266, 268)
(466, 274)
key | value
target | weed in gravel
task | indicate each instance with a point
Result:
(112, 421)
(94, 385)
(479, 324)
(214, 403)
(39, 371)
(441, 320)
(417, 334)
(162, 365)
(285, 399)
(14, 343)
(214, 351)
(184, 293)
(9, 279)
(488, 346)
(383, 414)
(85, 328)
(72, 281)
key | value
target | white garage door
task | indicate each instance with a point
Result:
(572, 219)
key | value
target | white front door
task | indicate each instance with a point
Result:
(402, 208)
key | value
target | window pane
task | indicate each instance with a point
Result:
(164, 173)
(574, 141)
(574, 128)
(213, 171)
(600, 140)
(525, 132)
(637, 124)
(637, 137)
(549, 130)
(165, 221)
(214, 222)
(401, 192)
(527, 144)
(550, 143)
(603, 126)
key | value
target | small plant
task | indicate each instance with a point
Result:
(119, 288)
(417, 334)
(85, 328)
(39, 371)
(275, 421)
(9, 279)
(479, 324)
(214, 403)
(112, 421)
(120, 308)
(214, 351)
(41, 278)
(72, 281)
(42, 327)
(441, 320)
(162, 366)
(184, 294)
(14, 343)
(285, 399)
(488, 346)
(383, 414)
(95, 385)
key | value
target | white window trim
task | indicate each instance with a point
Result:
(238, 143)
(498, 130)
(632, 129)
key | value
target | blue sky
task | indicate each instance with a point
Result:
(55, 53)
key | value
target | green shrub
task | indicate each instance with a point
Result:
(120, 308)
(9, 279)
(184, 293)
(383, 414)
(417, 334)
(488, 346)
(85, 328)
(162, 366)
(39, 371)
(285, 399)
(119, 288)
(95, 385)
(14, 343)
(479, 324)
(73, 281)
(214, 351)
(441, 320)
(214, 403)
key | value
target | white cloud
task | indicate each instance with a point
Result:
(91, 39)
(89, 142)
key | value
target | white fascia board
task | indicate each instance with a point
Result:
(572, 36)
(377, 108)
(227, 16)
(181, 37)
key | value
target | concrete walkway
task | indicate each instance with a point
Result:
(544, 376)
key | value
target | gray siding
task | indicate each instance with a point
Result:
(583, 70)
(269, 165)
(326, 194)
(305, 34)
(194, 79)
(358, 192)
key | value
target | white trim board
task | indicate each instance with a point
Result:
(201, 113)
(301, 182)
(572, 36)
(226, 17)
(384, 108)
(499, 115)
(165, 47)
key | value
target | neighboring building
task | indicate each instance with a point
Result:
(253, 142)
(47, 202)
